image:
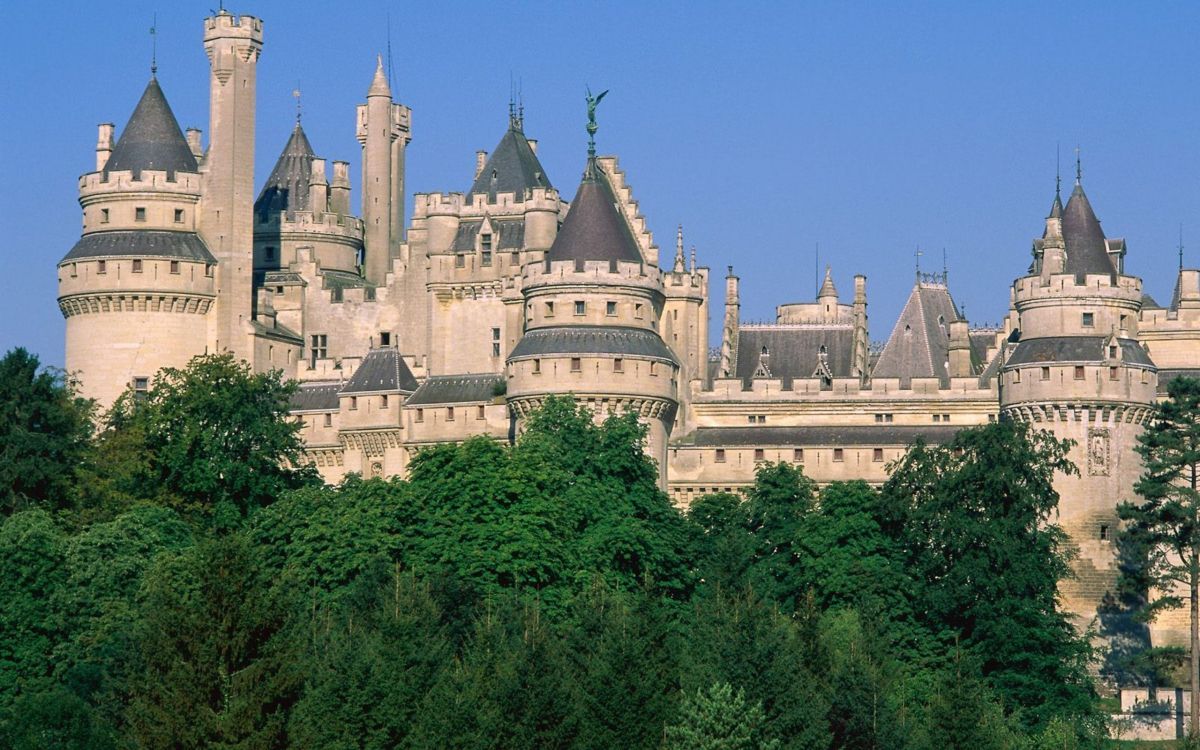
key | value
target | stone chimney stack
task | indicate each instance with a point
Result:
(194, 144)
(480, 161)
(339, 189)
(318, 188)
(104, 144)
(960, 350)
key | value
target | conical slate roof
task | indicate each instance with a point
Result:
(920, 343)
(512, 168)
(827, 287)
(286, 190)
(1087, 252)
(151, 139)
(594, 228)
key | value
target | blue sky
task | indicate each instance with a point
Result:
(764, 128)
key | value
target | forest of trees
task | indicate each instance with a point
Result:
(171, 581)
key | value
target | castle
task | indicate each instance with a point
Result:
(487, 301)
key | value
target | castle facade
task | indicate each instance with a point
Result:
(461, 319)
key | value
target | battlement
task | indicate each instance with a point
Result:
(225, 25)
(1059, 286)
(95, 184)
(592, 272)
(629, 207)
(458, 204)
(325, 222)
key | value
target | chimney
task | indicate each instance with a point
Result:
(318, 188)
(960, 350)
(104, 145)
(480, 162)
(532, 145)
(339, 189)
(193, 142)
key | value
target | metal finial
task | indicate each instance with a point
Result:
(1057, 172)
(918, 255)
(592, 127)
(296, 93)
(154, 46)
(945, 269)
(1078, 168)
(693, 263)
(391, 77)
(1181, 246)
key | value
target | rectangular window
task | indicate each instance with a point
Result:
(516, 258)
(139, 214)
(385, 338)
(576, 364)
(383, 401)
(618, 365)
(610, 308)
(479, 412)
(449, 413)
(878, 417)
(549, 309)
(798, 455)
(495, 342)
(269, 252)
(991, 417)
(179, 216)
(460, 260)
(174, 266)
(888, 418)
(637, 310)
(537, 366)
(485, 243)
(760, 454)
(141, 385)
(1079, 372)
(101, 266)
(1112, 352)
(720, 455)
(839, 454)
(1114, 373)
(485, 258)
(580, 307)
(137, 265)
(208, 269)
(750, 419)
(1089, 320)
(328, 419)
(762, 418)
(74, 271)
(945, 417)
(937, 417)
(353, 403)
(104, 216)
(1103, 533)
(877, 455)
(319, 348)
(1124, 322)
(420, 416)
(654, 369)
(1045, 373)
(1016, 376)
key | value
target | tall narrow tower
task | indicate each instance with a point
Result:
(233, 44)
(383, 131)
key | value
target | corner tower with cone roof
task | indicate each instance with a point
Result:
(384, 130)
(1074, 366)
(592, 315)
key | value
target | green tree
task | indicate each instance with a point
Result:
(719, 719)
(725, 547)
(215, 439)
(1165, 526)
(974, 517)
(777, 506)
(56, 719)
(44, 434)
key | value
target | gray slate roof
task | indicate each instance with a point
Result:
(794, 352)
(594, 228)
(1082, 349)
(1166, 376)
(381, 371)
(512, 168)
(819, 435)
(457, 389)
(509, 234)
(1087, 252)
(615, 340)
(920, 342)
(316, 397)
(151, 139)
(286, 190)
(141, 244)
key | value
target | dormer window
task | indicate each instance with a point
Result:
(139, 213)
(1112, 352)
(485, 249)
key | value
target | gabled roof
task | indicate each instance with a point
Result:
(381, 371)
(594, 228)
(1087, 252)
(151, 139)
(142, 243)
(801, 351)
(920, 342)
(512, 168)
(286, 190)
(457, 389)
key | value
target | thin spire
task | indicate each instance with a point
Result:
(1180, 246)
(817, 266)
(679, 261)
(1057, 173)
(918, 255)
(154, 46)
(390, 72)
(945, 269)
(1078, 168)
(296, 94)
(693, 266)
(379, 84)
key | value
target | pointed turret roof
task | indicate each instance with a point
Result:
(151, 139)
(594, 228)
(379, 84)
(513, 167)
(1056, 209)
(919, 346)
(1087, 252)
(827, 287)
(286, 189)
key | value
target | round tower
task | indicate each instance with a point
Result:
(1078, 370)
(592, 310)
(138, 287)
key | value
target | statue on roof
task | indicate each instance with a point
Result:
(592, 127)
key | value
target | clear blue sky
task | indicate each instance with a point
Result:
(762, 128)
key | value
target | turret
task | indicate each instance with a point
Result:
(383, 131)
(827, 297)
(729, 332)
(862, 340)
(233, 45)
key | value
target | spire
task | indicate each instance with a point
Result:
(154, 47)
(1087, 251)
(594, 228)
(1078, 169)
(680, 266)
(827, 287)
(513, 166)
(151, 139)
(379, 84)
(286, 190)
